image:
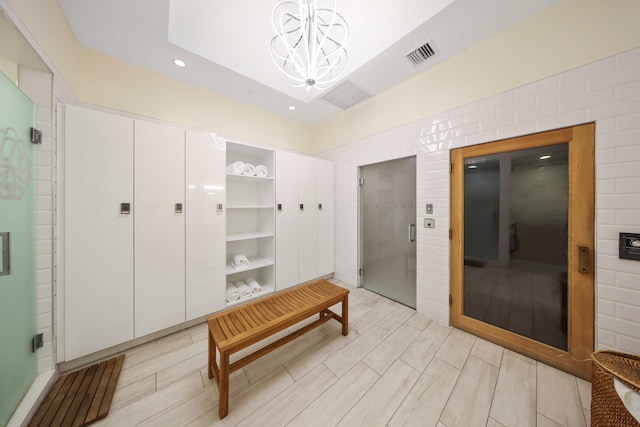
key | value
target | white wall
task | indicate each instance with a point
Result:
(38, 86)
(607, 92)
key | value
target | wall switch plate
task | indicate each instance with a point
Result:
(429, 208)
(429, 223)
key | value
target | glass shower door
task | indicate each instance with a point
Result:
(388, 229)
(17, 263)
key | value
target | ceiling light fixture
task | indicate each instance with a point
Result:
(179, 63)
(545, 157)
(309, 45)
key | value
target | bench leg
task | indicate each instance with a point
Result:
(212, 354)
(345, 315)
(223, 389)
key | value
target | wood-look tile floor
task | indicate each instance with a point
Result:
(396, 367)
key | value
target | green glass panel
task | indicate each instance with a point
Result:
(17, 284)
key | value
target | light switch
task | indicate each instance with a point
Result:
(429, 223)
(429, 208)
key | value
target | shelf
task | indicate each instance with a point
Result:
(244, 150)
(245, 178)
(247, 236)
(249, 207)
(266, 290)
(254, 264)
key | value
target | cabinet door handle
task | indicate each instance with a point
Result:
(583, 260)
(301, 206)
(412, 232)
(125, 208)
(279, 207)
(178, 208)
(219, 208)
(319, 206)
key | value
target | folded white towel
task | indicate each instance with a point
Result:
(236, 168)
(240, 262)
(249, 169)
(254, 285)
(630, 398)
(262, 171)
(244, 289)
(232, 292)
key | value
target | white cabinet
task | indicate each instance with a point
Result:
(159, 238)
(250, 217)
(326, 209)
(304, 218)
(287, 207)
(205, 227)
(98, 268)
(307, 219)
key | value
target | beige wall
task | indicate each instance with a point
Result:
(574, 33)
(105, 81)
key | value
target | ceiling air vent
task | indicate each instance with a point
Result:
(421, 54)
(346, 95)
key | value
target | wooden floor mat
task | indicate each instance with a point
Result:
(81, 397)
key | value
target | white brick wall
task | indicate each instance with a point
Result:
(607, 92)
(38, 86)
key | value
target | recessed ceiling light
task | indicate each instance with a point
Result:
(292, 107)
(545, 157)
(473, 167)
(179, 63)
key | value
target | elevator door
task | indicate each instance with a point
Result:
(388, 229)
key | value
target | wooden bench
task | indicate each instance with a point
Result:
(240, 327)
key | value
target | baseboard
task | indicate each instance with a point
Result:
(35, 395)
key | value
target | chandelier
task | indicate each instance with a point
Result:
(309, 45)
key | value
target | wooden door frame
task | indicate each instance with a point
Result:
(581, 232)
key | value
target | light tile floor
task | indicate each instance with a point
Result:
(395, 367)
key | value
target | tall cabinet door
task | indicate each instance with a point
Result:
(287, 207)
(325, 217)
(98, 288)
(159, 227)
(307, 219)
(205, 232)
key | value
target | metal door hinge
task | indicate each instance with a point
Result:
(450, 300)
(361, 272)
(450, 167)
(450, 234)
(361, 182)
(36, 136)
(37, 342)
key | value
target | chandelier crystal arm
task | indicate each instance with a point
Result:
(309, 45)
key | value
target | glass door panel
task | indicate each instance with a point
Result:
(17, 274)
(388, 229)
(515, 228)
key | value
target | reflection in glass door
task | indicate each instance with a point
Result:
(388, 229)
(17, 277)
(522, 239)
(515, 241)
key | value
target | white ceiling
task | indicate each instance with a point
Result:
(225, 44)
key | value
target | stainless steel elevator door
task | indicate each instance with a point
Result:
(388, 229)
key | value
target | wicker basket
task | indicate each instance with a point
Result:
(606, 407)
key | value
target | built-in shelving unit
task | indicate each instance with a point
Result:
(251, 219)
